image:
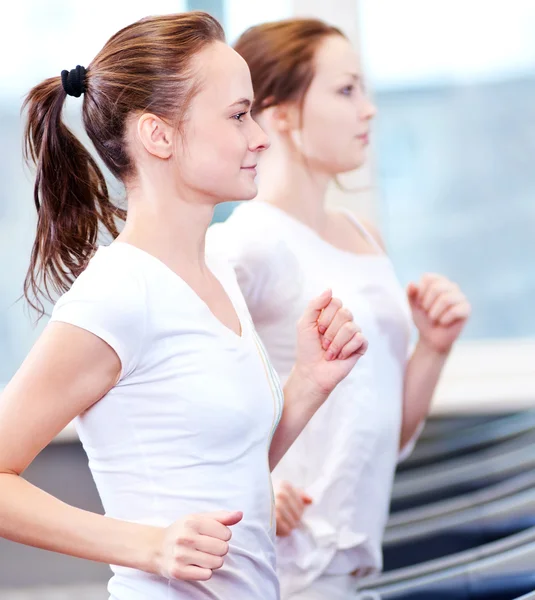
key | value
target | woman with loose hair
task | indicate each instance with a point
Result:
(333, 487)
(150, 347)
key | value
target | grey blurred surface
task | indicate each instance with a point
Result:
(78, 592)
(61, 470)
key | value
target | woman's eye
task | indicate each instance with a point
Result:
(239, 116)
(347, 90)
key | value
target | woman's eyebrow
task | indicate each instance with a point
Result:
(243, 102)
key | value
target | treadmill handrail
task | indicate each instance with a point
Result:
(503, 489)
(440, 426)
(450, 565)
(476, 436)
(515, 504)
(500, 461)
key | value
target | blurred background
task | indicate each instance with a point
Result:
(450, 182)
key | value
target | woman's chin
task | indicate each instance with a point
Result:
(355, 164)
(249, 192)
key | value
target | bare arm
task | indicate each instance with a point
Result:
(301, 400)
(329, 344)
(440, 311)
(421, 378)
(67, 371)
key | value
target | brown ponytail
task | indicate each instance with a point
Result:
(144, 66)
(70, 194)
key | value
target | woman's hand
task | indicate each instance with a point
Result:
(439, 310)
(191, 549)
(290, 504)
(329, 343)
(328, 346)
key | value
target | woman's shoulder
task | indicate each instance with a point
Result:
(365, 225)
(112, 278)
(258, 253)
(248, 235)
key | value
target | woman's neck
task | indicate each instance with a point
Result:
(290, 184)
(162, 223)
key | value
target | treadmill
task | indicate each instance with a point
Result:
(468, 439)
(458, 476)
(474, 526)
(501, 570)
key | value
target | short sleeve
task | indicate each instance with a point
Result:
(266, 269)
(107, 300)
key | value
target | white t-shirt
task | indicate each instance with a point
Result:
(188, 426)
(346, 457)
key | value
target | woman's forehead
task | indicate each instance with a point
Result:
(224, 74)
(336, 56)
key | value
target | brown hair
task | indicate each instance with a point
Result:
(280, 56)
(145, 66)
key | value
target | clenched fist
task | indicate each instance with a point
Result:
(290, 504)
(191, 549)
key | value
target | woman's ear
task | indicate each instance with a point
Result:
(284, 117)
(155, 135)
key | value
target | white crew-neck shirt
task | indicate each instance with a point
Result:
(188, 426)
(346, 456)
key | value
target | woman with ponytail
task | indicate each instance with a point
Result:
(333, 487)
(150, 348)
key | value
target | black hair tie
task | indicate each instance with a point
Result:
(74, 81)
